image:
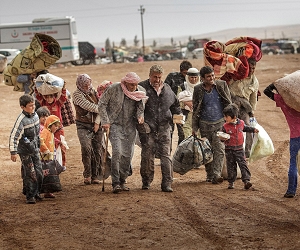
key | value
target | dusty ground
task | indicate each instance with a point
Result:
(197, 215)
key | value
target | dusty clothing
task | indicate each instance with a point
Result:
(27, 125)
(245, 91)
(121, 112)
(234, 151)
(247, 88)
(176, 81)
(199, 91)
(234, 157)
(210, 129)
(86, 107)
(91, 150)
(159, 111)
(157, 144)
(236, 134)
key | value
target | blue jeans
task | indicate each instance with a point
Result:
(293, 171)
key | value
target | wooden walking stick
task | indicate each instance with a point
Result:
(104, 159)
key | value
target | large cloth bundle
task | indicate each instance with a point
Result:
(289, 88)
(48, 84)
(191, 153)
(3, 62)
(42, 52)
(229, 60)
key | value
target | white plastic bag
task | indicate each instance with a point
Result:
(48, 84)
(262, 144)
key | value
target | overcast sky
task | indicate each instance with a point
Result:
(98, 20)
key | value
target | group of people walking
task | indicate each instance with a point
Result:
(130, 107)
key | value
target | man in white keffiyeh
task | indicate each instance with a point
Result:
(121, 108)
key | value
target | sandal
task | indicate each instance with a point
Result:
(87, 181)
(49, 195)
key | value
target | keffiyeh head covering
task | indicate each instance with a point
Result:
(83, 81)
(131, 77)
(137, 95)
(192, 72)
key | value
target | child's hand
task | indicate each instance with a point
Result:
(256, 130)
(63, 147)
(13, 158)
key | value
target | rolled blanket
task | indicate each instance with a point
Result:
(226, 67)
(42, 52)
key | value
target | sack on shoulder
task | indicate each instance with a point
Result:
(51, 182)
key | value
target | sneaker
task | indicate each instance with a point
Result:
(49, 195)
(167, 189)
(124, 188)
(208, 180)
(289, 195)
(31, 200)
(38, 197)
(146, 186)
(117, 189)
(247, 185)
(230, 186)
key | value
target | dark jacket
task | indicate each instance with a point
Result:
(175, 80)
(223, 91)
(159, 109)
(235, 131)
(26, 125)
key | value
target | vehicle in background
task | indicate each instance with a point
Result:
(271, 49)
(197, 53)
(101, 52)
(63, 30)
(194, 44)
(288, 46)
(87, 54)
(9, 53)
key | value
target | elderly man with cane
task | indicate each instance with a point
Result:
(121, 108)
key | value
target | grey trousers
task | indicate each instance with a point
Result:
(157, 144)
(214, 168)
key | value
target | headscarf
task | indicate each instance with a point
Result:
(191, 72)
(82, 81)
(102, 87)
(132, 77)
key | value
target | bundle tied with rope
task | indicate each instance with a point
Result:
(42, 52)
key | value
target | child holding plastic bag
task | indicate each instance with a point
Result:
(234, 150)
(293, 119)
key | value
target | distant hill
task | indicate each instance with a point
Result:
(276, 32)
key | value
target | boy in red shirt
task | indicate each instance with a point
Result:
(234, 150)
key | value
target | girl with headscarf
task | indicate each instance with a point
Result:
(185, 97)
(87, 119)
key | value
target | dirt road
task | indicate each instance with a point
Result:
(197, 215)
